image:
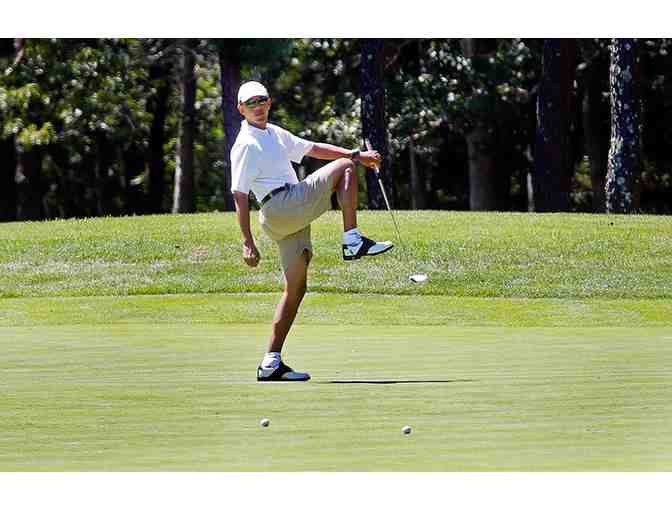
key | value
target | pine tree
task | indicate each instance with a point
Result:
(625, 148)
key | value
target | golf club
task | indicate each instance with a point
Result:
(415, 277)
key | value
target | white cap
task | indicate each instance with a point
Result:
(251, 89)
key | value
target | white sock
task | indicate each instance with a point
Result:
(352, 236)
(271, 360)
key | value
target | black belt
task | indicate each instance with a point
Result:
(273, 193)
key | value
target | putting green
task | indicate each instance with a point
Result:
(183, 397)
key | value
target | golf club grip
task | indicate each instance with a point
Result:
(376, 168)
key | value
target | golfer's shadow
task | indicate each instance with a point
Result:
(402, 381)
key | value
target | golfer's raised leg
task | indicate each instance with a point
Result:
(272, 368)
(345, 185)
(344, 178)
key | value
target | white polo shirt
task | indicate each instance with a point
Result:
(261, 159)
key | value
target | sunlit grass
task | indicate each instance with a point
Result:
(465, 254)
(541, 343)
(163, 397)
(333, 309)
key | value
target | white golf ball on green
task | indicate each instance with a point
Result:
(406, 429)
(265, 422)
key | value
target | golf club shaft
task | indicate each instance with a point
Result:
(367, 143)
(394, 220)
(387, 203)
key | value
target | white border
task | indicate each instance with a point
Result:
(338, 491)
(340, 18)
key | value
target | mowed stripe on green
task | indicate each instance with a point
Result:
(183, 397)
(334, 309)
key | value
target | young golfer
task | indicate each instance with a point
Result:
(261, 161)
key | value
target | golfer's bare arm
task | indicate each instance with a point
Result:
(330, 152)
(250, 252)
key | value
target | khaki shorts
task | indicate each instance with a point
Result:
(287, 216)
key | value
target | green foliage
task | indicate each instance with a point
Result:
(85, 104)
(433, 93)
(209, 149)
(252, 51)
(30, 136)
(316, 91)
(83, 89)
(447, 87)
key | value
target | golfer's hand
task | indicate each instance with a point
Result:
(370, 159)
(251, 255)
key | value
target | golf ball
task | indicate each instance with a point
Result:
(418, 278)
(406, 429)
(265, 422)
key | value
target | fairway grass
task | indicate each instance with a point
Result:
(334, 309)
(183, 397)
(542, 342)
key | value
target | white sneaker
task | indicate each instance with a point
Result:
(365, 247)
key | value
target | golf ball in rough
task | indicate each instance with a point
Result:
(265, 422)
(406, 429)
(418, 278)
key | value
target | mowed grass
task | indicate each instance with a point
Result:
(183, 397)
(464, 254)
(541, 342)
(334, 309)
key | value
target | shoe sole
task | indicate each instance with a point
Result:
(276, 375)
(282, 381)
(355, 257)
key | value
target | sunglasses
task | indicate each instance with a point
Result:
(252, 103)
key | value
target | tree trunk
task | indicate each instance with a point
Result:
(100, 176)
(553, 152)
(184, 200)
(7, 180)
(29, 186)
(596, 128)
(159, 74)
(229, 73)
(133, 161)
(625, 150)
(418, 184)
(482, 177)
(106, 185)
(69, 182)
(418, 189)
(478, 47)
(373, 117)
